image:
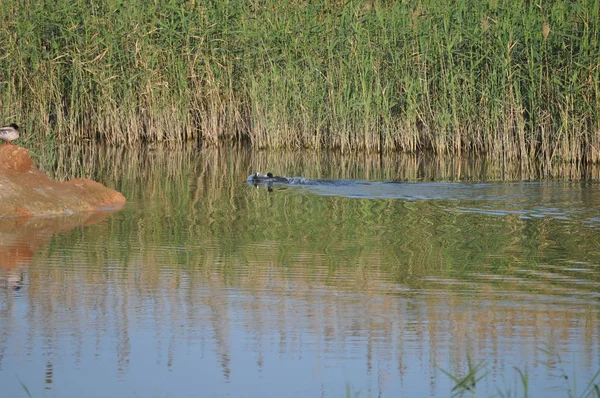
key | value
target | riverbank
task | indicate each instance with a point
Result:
(512, 79)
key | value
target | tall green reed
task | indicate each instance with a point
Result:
(516, 80)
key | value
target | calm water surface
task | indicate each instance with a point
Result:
(377, 283)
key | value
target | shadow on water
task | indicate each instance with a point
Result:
(404, 265)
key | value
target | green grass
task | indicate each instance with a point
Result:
(466, 384)
(517, 80)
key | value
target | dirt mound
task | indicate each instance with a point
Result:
(26, 191)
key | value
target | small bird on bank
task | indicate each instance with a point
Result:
(9, 133)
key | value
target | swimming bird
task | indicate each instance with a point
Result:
(9, 133)
(269, 178)
(277, 178)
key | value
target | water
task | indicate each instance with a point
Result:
(375, 282)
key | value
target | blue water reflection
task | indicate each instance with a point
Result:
(206, 286)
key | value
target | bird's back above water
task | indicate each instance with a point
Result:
(9, 133)
(268, 178)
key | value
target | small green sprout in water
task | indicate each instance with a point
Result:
(466, 385)
(468, 382)
(24, 387)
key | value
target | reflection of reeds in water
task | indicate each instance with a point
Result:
(278, 305)
(188, 194)
(513, 81)
(203, 227)
(195, 231)
(233, 164)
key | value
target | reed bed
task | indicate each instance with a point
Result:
(518, 80)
